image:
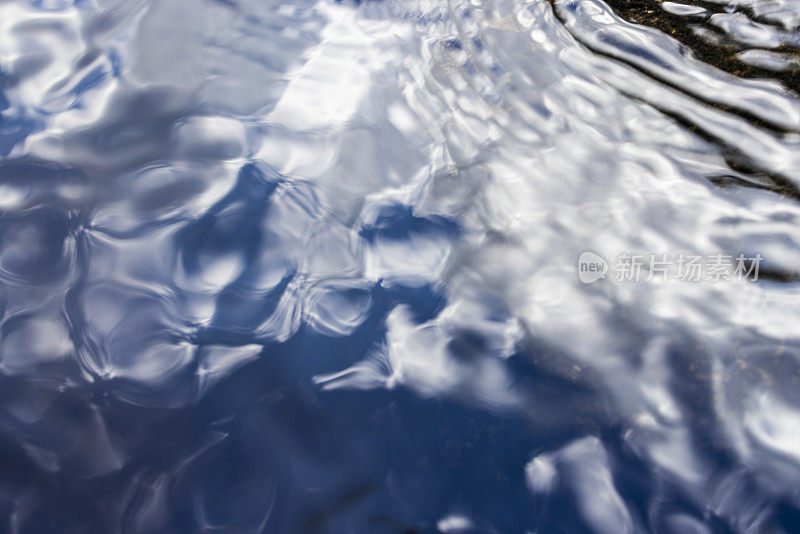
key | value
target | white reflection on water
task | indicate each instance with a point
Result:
(192, 187)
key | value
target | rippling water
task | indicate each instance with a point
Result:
(311, 266)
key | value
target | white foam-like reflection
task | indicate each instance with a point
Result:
(186, 199)
(583, 467)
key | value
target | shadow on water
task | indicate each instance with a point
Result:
(710, 43)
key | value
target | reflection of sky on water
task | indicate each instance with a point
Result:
(310, 267)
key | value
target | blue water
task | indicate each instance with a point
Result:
(311, 267)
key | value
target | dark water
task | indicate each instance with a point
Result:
(311, 266)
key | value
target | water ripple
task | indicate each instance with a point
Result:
(310, 267)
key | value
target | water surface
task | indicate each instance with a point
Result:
(311, 266)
